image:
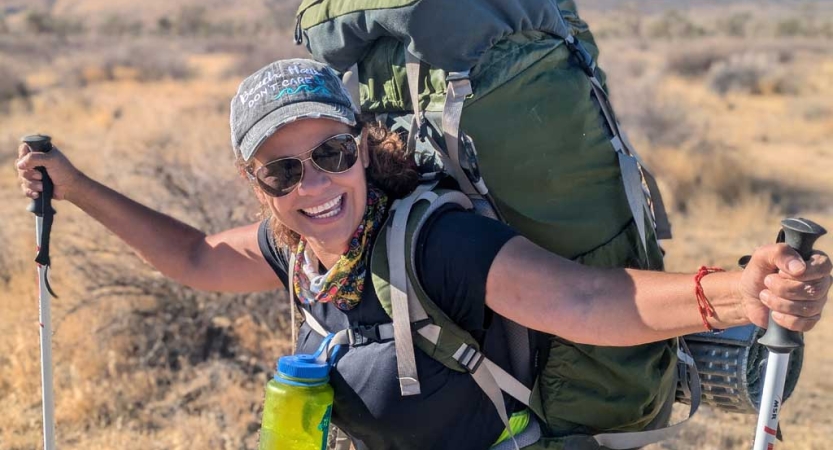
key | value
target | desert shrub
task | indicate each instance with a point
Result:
(791, 27)
(12, 85)
(193, 21)
(700, 169)
(674, 24)
(169, 325)
(695, 62)
(118, 26)
(661, 122)
(146, 60)
(735, 25)
(816, 112)
(754, 73)
(39, 22)
(30, 51)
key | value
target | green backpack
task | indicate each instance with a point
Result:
(519, 79)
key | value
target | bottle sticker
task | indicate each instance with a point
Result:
(324, 427)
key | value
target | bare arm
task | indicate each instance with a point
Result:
(229, 261)
(619, 307)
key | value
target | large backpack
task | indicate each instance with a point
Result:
(519, 79)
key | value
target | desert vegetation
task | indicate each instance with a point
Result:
(729, 103)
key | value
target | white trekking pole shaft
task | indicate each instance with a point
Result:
(800, 234)
(42, 208)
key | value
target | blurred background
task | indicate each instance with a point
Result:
(729, 102)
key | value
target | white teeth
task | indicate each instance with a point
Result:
(332, 207)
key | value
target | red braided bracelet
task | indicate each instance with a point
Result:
(703, 305)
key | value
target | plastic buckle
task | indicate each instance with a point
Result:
(454, 76)
(585, 58)
(363, 335)
(471, 359)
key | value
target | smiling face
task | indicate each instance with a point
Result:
(324, 208)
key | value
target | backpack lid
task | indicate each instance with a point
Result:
(340, 32)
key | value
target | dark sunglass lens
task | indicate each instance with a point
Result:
(337, 154)
(280, 177)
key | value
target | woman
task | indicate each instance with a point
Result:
(328, 182)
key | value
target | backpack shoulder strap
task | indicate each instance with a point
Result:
(404, 299)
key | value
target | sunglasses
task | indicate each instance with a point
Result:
(335, 155)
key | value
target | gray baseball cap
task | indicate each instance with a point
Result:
(283, 92)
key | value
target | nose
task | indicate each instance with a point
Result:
(314, 180)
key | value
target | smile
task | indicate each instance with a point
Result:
(325, 210)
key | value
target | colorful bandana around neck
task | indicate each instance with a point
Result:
(344, 281)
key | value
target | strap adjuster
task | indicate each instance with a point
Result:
(469, 357)
(363, 335)
(585, 59)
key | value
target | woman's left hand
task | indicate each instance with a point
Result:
(777, 279)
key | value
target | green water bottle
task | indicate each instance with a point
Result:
(299, 400)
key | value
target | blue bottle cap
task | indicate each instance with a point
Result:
(303, 367)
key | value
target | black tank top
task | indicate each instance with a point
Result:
(451, 412)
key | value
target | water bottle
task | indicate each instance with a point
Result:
(299, 401)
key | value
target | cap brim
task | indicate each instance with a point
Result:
(268, 125)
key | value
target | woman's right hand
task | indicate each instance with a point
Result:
(63, 174)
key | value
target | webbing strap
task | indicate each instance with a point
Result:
(314, 323)
(342, 440)
(413, 68)
(637, 202)
(629, 166)
(459, 87)
(661, 223)
(405, 360)
(653, 201)
(622, 441)
(505, 382)
(489, 386)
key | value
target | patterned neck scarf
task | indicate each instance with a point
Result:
(344, 282)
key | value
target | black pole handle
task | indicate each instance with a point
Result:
(800, 234)
(41, 143)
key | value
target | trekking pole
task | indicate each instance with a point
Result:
(42, 208)
(800, 234)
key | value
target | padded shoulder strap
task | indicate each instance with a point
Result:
(437, 334)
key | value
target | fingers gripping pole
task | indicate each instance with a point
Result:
(800, 234)
(42, 208)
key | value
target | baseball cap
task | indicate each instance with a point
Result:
(283, 92)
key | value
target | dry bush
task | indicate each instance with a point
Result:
(118, 26)
(12, 85)
(755, 73)
(30, 51)
(42, 22)
(650, 117)
(145, 60)
(695, 62)
(170, 323)
(816, 111)
(674, 24)
(735, 25)
(699, 58)
(701, 170)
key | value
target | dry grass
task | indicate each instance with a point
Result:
(143, 363)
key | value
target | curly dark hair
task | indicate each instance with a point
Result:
(391, 169)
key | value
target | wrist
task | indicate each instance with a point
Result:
(722, 289)
(75, 190)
